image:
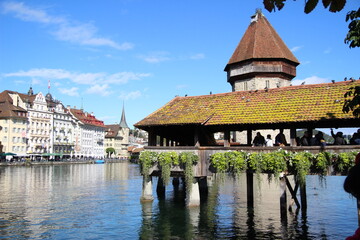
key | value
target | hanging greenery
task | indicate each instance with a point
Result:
(344, 161)
(237, 161)
(147, 160)
(219, 162)
(166, 160)
(321, 162)
(301, 163)
(275, 162)
(255, 162)
(188, 159)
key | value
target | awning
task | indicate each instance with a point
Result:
(7, 154)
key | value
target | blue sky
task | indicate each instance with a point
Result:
(101, 54)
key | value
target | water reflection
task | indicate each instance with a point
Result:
(90, 201)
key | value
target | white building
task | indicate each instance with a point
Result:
(89, 135)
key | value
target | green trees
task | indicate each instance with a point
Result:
(353, 36)
(352, 101)
(109, 151)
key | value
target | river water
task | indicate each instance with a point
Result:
(90, 201)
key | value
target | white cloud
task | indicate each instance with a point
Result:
(197, 56)
(155, 57)
(296, 48)
(79, 78)
(310, 80)
(28, 14)
(124, 77)
(130, 95)
(99, 90)
(327, 51)
(71, 92)
(65, 30)
(181, 86)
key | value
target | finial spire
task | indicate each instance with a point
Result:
(123, 123)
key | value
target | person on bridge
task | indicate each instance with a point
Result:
(269, 141)
(280, 139)
(338, 138)
(352, 186)
(259, 140)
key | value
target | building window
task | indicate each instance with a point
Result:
(245, 86)
(267, 83)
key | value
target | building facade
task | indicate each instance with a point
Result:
(13, 124)
(117, 137)
(89, 135)
(38, 125)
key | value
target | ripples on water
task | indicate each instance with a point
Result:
(90, 201)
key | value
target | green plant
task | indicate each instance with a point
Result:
(344, 161)
(275, 162)
(255, 162)
(321, 162)
(219, 162)
(147, 159)
(301, 162)
(189, 159)
(237, 161)
(166, 160)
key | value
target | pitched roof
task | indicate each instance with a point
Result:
(8, 110)
(86, 118)
(111, 130)
(261, 41)
(281, 105)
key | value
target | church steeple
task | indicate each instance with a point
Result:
(261, 59)
(123, 123)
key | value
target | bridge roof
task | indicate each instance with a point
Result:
(294, 104)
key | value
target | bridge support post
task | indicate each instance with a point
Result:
(147, 189)
(283, 200)
(160, 188)
(303, 197)
(193, 196)
(250, 189)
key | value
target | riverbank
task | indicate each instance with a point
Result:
(21, 163)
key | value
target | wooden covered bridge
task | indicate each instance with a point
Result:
(260, 72)
(189, 123)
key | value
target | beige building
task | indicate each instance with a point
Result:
(117, 137)
(13, 124)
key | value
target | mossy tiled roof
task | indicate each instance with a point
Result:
(281, 105)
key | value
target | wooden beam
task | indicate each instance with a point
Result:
(292, 191)
(249, 137)
(197, 138)
(226, 138)
(293, 142)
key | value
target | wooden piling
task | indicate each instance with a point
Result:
(160, 188)
(303, 197)
(250, 189)
(283, 200)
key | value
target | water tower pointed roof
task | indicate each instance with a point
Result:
(261, 41)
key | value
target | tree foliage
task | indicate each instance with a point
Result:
(352, 101)
(353, 36)
(110, 151)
